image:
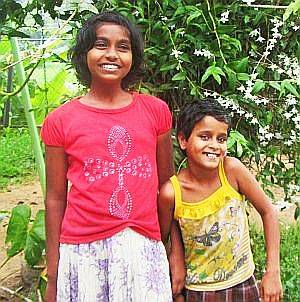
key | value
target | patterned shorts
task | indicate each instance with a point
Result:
(246, 291)
(126, 267)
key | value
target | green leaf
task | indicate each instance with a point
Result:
(239, 149)
(288, 85)
(291, 9)
(243, 76)
(213, 71)
(258, 86)
(17, 229)
(242, 65)
(275, 85)
(231, 77)
(35, 242)
(168, 66)
(217, 78)
(179, 76)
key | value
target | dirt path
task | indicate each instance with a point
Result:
(30, 194)
(11, 274)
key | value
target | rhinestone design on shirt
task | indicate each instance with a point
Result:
(119, 144)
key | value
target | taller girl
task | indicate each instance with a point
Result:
(114, 149)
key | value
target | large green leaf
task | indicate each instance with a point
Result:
(17, 229)
(35, 242)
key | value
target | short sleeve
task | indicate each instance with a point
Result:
(52, 130)
(165, 119)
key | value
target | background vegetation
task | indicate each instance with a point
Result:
(244, 53)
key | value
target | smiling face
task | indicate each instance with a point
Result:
(207, 144)
(110, 59)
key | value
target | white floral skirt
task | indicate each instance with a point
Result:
(126, 267)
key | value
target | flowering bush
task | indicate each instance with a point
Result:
(244, 54)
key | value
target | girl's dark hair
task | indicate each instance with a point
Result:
(86, 38)
(194, 112)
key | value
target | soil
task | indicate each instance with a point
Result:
(14, 275)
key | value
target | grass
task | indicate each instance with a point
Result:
(16, 157)
(289, 254)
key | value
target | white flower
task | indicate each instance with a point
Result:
(203, 52)
(296, 27)
(296, 119)
(288, 143)
(164, 18)
(268, 136)
(176, 53)
(255, 32)
(248, 115)
(136, 13)
(241, 88)
(172, 26)
(260, 39)
(248, 2)
(197, 52)
(287, 115)
(224, 16)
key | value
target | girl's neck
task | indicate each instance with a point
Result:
(202, 176)
(107, 97)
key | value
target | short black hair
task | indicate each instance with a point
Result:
(85, 41)
(194, 112)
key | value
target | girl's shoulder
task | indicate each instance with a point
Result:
(167, 191)
(66, 108)
(233, 168)
(150, 100)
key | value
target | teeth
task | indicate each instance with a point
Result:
(211, 155)
(110, 67)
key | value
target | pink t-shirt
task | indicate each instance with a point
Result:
(112, 166)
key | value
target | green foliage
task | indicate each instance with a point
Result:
(16, 156)
(289, 254)
(25, 236)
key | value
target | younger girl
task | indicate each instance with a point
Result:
(114, 149)
(208, 200)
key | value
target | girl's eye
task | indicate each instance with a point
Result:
(204, 137)
(222, 140)
(124, 46)
(100, 44)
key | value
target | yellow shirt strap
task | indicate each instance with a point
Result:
(177, 190)
(222, 174)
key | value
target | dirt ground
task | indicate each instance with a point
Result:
(12, 275)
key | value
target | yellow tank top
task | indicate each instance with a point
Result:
(216, 237)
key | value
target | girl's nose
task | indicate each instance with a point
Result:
(111, 53)
(213, 143)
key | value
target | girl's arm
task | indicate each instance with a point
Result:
(56, 200)
(169, 227)
(165, 169)
(164, 157)
(271, 289)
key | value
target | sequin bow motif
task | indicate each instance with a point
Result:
(119, 144)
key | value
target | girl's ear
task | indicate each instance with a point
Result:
(181, 140)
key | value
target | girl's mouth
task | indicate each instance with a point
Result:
(110, 67)
(211, 155)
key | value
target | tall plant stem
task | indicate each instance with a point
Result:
(21, 77)
(215, 31)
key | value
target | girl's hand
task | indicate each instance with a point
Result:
(50, 295)
(271, 288)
